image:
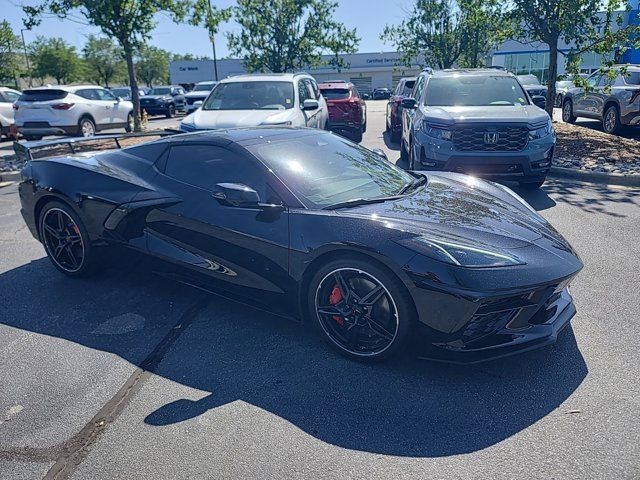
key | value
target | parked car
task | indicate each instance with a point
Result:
(165, 100)
(562, 87)
(125, 92)
(393, 118)
(312, 226)
(261, 99)
(7, 97)
(198, 94)
(70, 110)
(614, 101)
(532, 85)
(347, 110)
(381, 94)
(477, 121)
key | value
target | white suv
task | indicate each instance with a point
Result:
(7, 97)
(199, 93)
(261, 99)
(78, 110)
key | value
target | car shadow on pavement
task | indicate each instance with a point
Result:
(406, 407)
(395, 146)
(593, 198)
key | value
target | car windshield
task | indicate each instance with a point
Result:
(335, 93)
(203, 88)
(474, 91)
(326, 169)
(529, 80)
(565, 84)
(251, 96)
(160, 91)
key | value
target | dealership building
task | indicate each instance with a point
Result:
(365, 70)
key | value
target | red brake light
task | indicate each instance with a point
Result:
(62, 106)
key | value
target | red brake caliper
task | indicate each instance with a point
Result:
(335, 298)
(77, 232)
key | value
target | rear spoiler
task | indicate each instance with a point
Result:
(40, 149)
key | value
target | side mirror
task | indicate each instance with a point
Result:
(310, 104)
(380, 153)
(197, 104)
(119, 99)
(409, 103)
(236, 195)
(539, 101)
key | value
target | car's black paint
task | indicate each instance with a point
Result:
(265, 255)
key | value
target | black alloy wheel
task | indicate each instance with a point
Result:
(66, 240)
(362, 310)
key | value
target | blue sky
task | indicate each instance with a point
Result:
(367, 16)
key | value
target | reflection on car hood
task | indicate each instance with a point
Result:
(156, 97)
(463, 208)
(199, 94)
(205, 119)
(529, 114)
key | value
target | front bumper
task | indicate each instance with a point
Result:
(530, 164)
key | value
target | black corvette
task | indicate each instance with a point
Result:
(307, 224)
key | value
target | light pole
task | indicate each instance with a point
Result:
(26, 55)
(213, 42)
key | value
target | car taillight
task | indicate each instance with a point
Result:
(62, 106)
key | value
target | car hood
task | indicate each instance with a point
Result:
(210, 119)
(529, 114)
(197, 94)
(156, 97)
(461, 208)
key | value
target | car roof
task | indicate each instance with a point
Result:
(494, 72)
(66, 88)
(243, 135)
(7, 89)
(208, 82)
(340, 84)
(264, 77)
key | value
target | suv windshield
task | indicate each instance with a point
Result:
(251, 96)
(160, 91)
(335, 93)
(474, 91)
(529, 80)
(326, 169)
(203, 88)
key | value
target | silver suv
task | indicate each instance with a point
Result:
(613, 101)
(477, 121)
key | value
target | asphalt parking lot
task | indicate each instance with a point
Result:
(129, 375)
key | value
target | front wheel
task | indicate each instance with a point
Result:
(356, 136)
(611, 121)
(171, 111)
(361, 309)
(130, 125)
(567, 112)
(66, 240)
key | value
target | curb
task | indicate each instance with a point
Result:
(596, 177)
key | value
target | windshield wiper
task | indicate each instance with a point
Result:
(355, 202)
(413, 183)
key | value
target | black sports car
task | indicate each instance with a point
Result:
(308, 224)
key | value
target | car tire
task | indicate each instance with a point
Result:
(58, 216)
(531, 185)
(86, 127)
(567, 112)
(611, 120)
(130, 124)
(171, 111)
(558, 100)
(356, 136)
(388, 319)
(364, 124)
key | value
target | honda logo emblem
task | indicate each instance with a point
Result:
(491, 138)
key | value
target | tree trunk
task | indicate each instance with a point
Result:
(133, 84)
(553, 74)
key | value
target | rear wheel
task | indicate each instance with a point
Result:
(567, 112)
(66, 240)
(171, 111)
(611, 120)
(361, 309)
(86, 127)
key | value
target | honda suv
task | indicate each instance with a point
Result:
(477, 121)
(70, 110)
(614, 101)
(347, 110)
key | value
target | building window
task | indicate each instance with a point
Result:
(536, 63)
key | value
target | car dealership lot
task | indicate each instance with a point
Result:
(129, 375)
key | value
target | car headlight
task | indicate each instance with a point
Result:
(541, 132)
(435, 132)
(459, 254)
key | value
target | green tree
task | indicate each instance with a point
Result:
(442, 33)
(129, 22)
(283, 35)
(152, 65)
(53, 57)
(585, 25)
(10, 58)
(104, 60)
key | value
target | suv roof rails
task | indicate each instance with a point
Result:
(428, 70)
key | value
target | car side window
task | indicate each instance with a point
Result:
(312, 93)
(105, 95)
(604, 81)
(204, 166)
(11, 96)
(315, 89)
(303, 92)
(418, 88)
(88, 93)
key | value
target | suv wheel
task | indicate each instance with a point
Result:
(567, 112)
(171, 111)
(611, 120)
(86, 127)
(130, 124)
